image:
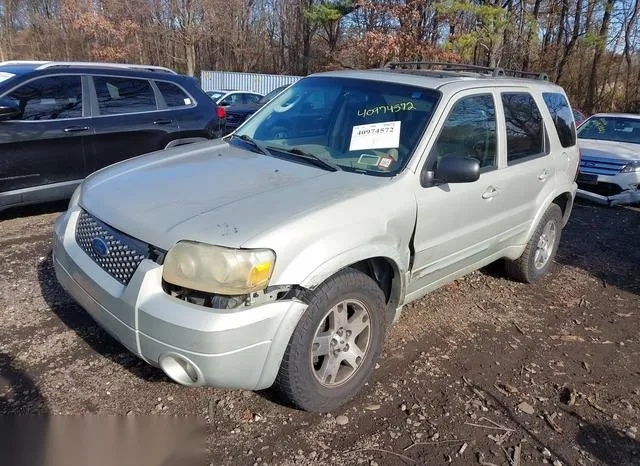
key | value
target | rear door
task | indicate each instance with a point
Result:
(129, 119)
(45, 144)
(531, 166)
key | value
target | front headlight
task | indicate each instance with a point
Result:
(219, 270)
(631, 167)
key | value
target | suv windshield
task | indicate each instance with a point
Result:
(359, 125)
(618, 129)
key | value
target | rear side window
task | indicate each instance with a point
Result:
(252, 98)
(525, 130)
(232, 99)
(50, 98)
(124, 95)
(470, 130)
(562, 116)
(173, 95)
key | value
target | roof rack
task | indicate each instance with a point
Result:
(53, 64)
(446, 66)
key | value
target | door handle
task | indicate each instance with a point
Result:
(544, 175)
(490, 192)
(162, 122)
(76, 129)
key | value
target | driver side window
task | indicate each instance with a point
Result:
(470, 130)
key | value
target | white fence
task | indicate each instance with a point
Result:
(262, 83)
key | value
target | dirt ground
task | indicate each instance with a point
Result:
(485, 371)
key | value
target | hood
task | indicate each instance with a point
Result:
(212, 192)
(243, 108)
(609, 149)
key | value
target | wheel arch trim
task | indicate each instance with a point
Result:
(563, 196)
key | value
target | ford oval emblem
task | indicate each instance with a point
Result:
(100, 246)
(589, 164)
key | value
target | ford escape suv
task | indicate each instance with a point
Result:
(61, 121)
(279, 255)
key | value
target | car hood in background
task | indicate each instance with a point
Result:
(212, 192)
(609, 149)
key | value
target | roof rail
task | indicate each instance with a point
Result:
(446, 66)
(53, 64)
(22, 62)
(526, 74)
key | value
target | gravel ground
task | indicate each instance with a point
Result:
(484, 371)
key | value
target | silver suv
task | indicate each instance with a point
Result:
(279, 255)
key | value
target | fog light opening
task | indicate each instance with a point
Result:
(181, 370)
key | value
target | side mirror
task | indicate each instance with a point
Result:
(452, 169)
(9, 109)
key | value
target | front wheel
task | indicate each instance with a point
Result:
(334, 347)
(536, 260)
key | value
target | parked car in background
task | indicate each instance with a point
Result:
(224, 98)
(61, 121)
(610, 158)
(236, 114)
(578, 116)
(281, 254)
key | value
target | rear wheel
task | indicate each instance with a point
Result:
(537, 258)
(335, 345)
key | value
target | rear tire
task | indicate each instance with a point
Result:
(537, 258)
(336, 343)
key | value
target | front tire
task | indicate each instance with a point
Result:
(336, 343)
(537, 258)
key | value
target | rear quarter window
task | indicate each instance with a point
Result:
(173, 95)
(562, 117)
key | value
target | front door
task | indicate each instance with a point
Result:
(45, 144)
(458, 223)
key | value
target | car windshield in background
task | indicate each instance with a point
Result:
(618, 129)
(358, 125)
(215, 95)
(271, 95)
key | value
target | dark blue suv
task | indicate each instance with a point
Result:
(61, 121)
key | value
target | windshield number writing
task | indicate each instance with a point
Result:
(382, 109)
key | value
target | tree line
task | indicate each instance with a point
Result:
(590, 47)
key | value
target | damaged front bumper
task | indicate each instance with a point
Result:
(194, 345)
(630, 196)
(619, 189)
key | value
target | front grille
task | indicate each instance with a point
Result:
(116, 253)
(600, 165)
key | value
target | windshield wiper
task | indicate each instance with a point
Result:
(252, 142)
(314, 159)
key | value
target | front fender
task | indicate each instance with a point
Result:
(321, 272)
